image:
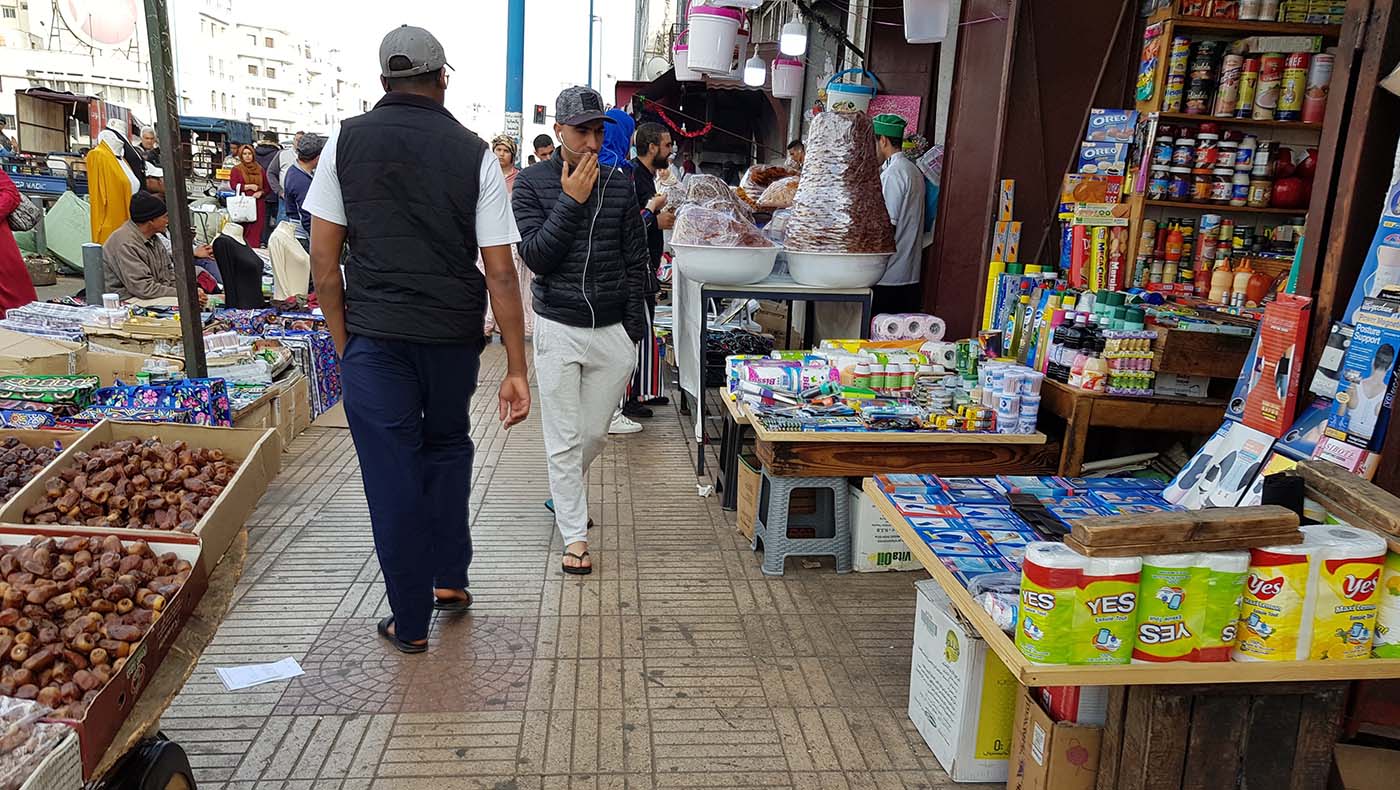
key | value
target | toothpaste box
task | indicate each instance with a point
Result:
(997, 512)
(909, 484)
(925, 505)
(922, 525)
(1112, 126)
(1103, 158)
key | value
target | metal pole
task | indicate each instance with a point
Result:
(167, 123)
(93, 278)
(515, 72)
(590, 43)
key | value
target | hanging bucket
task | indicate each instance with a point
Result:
(741, 57)
(848, 97)
(713, 32)
(787, 77)
(680, 58)
(926, 21)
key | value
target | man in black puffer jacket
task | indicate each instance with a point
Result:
(581, 234)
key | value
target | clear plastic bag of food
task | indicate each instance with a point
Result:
(716, 225)
(24, 741)
(760, 177)
(838, 206)
(700, 188)
(779, 194)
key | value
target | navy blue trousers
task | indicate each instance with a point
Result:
(408, 406)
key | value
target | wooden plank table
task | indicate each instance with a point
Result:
(1082, 410)
(863, 453)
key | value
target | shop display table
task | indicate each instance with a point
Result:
(1082, 410)
(1183, 724)
(690, 299)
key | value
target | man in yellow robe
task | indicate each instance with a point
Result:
(110, 186)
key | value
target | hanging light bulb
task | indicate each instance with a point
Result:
(793, 40)
(755, 71)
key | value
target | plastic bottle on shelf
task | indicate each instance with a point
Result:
(1081, 356)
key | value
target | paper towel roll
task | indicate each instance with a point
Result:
(1225, 574)
(1050, 575)
(1387, 642)
(1105, 611)
(1317, 600)
(1171, 608)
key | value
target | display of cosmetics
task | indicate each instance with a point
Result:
(1130, 356)
(1210, 78)
(1014, 392)
(892, 375)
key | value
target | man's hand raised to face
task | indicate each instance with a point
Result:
(578, 180)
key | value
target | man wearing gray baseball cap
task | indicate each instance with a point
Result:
(417, 195)
(581, 234)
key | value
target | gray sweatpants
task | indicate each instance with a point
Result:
(582, 373)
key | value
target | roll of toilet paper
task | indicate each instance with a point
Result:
(1171, 607)
(1050, 575)
(1316, 600)
(1387, 642)
(1225, 574)
(1105, 610)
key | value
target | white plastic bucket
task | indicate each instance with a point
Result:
(681, 60)
(713, 31)
(741, 57)
(847, 97)
(787, 77)
(926, 21)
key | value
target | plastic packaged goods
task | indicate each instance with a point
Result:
(716, 227)
(839, 206)
(24, 741)
(780, 194)
(760, 177)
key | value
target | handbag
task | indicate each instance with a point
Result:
(25, 216)
(242, 208)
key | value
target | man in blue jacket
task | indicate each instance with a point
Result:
(581, 234)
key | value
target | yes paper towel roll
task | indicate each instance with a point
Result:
(1171, 608)
(1105, 610)
(1050, 576)
(1387, 642)
(1317, 600)
(1225, 574)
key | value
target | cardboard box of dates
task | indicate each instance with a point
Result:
(107, 697)
(214, 507)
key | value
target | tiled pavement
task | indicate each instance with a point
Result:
(677, 664)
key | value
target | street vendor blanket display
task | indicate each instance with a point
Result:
(202, 401)
(42, 399)
(246, 322)
(315, 356)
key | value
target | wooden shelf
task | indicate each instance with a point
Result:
(1219, 209)
(1028, 674)
(1181, 117)
(1244, 28)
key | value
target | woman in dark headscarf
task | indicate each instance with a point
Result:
(249, 179)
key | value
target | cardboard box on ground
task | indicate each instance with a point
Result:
(875, 546)
(1051, 755)
(1364, 768)
(961, 697)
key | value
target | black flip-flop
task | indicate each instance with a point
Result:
(393, 639)
(549, 505)
(453, 605)
(580, 570)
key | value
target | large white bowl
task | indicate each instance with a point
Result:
(837, 269)
(725, 265)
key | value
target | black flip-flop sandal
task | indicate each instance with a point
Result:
(453, 605)
(580, 570)
(549, 505)
(393, 639)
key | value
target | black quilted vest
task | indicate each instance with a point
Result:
(409, 175)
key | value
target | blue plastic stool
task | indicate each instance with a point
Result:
(831, 524)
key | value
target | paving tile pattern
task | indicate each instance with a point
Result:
(677, 664)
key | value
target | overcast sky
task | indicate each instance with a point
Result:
(474, 35)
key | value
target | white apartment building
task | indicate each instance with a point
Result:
(270, 73)
(206, 64)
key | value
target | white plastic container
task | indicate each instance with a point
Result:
(787, 77)
(850, 97)
(713, 33)
(926, 21)
(725, 265)
(681, 60)
(837, 269)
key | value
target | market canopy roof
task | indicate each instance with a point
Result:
(237, 131)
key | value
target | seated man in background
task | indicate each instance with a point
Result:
(135, 264)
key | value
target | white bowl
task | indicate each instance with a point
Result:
(837, 269)
(725, 265)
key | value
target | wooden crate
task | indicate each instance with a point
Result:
(1265, 735)
(1200, 353)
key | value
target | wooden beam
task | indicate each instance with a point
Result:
(1210, 524)
(1381, 509)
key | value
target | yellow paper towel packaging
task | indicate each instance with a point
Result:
(1225, 573)
(1387, 642)
(1315, 600)
(1050, 575)
(1105, 613)
(1171, 608)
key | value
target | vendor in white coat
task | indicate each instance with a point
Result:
(903, 186)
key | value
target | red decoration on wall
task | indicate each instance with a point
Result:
(675, 127)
